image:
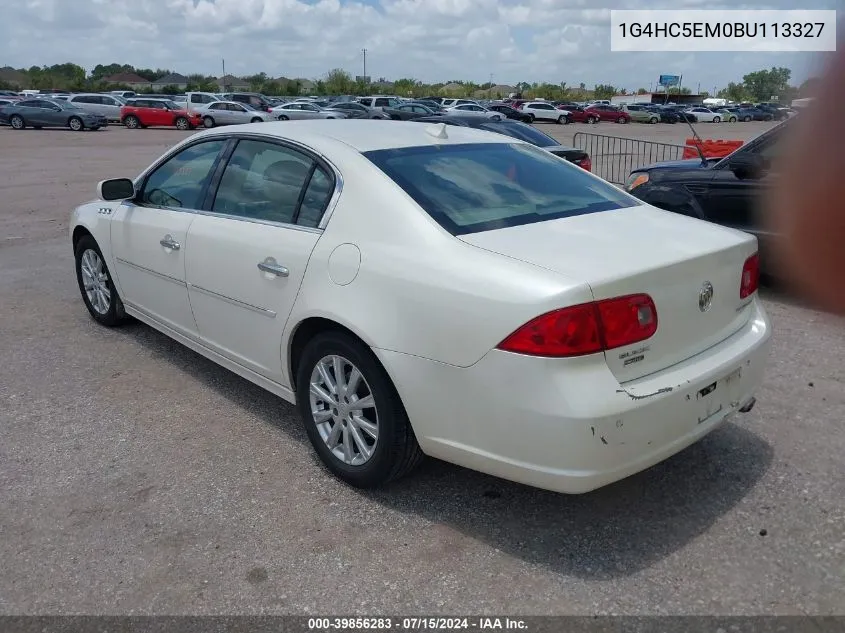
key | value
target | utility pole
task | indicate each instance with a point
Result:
(490, 90)
(364, 50)
(698, 92)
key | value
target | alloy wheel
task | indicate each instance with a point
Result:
(95, 280)
(343, 410)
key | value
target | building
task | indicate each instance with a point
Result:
(175, 80)
(228, 83)
(657, 98)
(133, 81)
(499, 91)
(305, 85)
(15, 79)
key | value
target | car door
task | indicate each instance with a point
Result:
(159, 114)
(217, 111)
(149, 235)
(249, 250)
(109, 107)
(38, 112)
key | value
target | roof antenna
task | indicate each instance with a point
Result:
(438, 130)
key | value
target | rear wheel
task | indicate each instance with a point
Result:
(732, 119)
(182, 123)
(496, 117)
(16, 122)
(283, 117)
(562, 120)
(746, 119)
(653, 120)
(622, 119)
(208, 121)
(75, 124)
(352, 412)
(132, 122)
(717, 119)
(531, 118)
(592, 120)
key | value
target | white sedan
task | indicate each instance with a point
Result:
(435, 290)
(474, 110)
(705, 115)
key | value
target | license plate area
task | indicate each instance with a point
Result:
(718, 395)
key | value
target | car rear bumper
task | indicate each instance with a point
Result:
(568, 425)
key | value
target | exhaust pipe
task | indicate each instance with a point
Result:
(748, 405)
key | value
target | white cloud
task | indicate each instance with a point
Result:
(515, 40)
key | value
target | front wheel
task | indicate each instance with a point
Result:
(182, 123)
(256, 120)
(653, 120)
(16, 122)
(747, 119)
(621, 119)
(562, 120)
(208, 122)
(732, 119)
(283, 117)
(75, 124)
(352, 412)
(592, 120)
(495, 117)
(531, 118)
(96, 285)
(717, 119)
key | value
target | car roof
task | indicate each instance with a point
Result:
(362, 135)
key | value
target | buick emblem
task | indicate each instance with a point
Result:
(705, 296)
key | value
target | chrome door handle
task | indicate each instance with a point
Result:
(169, 242)
(270, 265)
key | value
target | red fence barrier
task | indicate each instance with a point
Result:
(710, 148)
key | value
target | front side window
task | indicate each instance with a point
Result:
(485, 186)
(263, 181)
(180, 181)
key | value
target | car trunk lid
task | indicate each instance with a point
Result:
(641, 249)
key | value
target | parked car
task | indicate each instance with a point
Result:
(521, 131)
(304, 110)
(753, 114)
(474, 110)
(252, 98)
(142, 113)
(107, 105)
(4, 101)
(511, 113)
(38, 113)
(433, 105)
(544, 111)
(232, 113)
(666, 115)
(725, 191)
(408, 111)
(641, 114)
(355, 110)
(705, 115)
(778, 114)
(539, 261)
(727, 114)
(380, 101)
(609, 113)
(579, 114)
(451, 103)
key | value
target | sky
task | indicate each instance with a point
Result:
(429, 40)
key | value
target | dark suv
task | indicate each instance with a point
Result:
(254, 99)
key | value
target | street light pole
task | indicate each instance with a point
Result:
(364, 50)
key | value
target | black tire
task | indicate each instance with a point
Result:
(653, 120)
(746, 119)
(132, 122)
(207, 121)
(531, 118)
(396, 451)
(592, 120)
(182, 124)
(16, 122)
(116, 313)
(717, 119)
(75, 124)
(562, 120)
(495, 118)
(256, 120)
(282, 117)
(622, 120)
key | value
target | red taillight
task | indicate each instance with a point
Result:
(586, 328)
(750, 276)
(586, 163)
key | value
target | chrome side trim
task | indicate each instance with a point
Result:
(281, 225)
(262, 311)
(180, 282)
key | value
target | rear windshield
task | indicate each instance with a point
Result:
(476, 187)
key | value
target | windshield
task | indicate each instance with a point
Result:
(170, 105)
(522, 132)
(65, 105)
(485, 186)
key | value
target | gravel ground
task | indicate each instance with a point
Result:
(138, 477)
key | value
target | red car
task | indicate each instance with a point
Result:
(579, 114)
(157, 113)
(609, 113)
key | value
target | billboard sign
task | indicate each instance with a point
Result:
(669, 80)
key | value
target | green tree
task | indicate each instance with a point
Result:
(642, 91)
(407, 86)
(761, 85)
(101, 71)
(337, 82)
(604, 91)
(733, 92)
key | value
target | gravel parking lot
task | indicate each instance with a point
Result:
(136, 476)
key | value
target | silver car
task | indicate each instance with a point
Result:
(300, 111)
(474, 110)
(231, 113)
(106, 105)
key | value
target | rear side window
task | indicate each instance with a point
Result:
(477, 187)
